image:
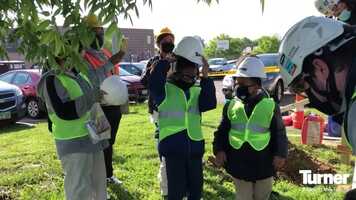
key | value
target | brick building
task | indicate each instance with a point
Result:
(141, 44)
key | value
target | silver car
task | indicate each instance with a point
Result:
(274, 83)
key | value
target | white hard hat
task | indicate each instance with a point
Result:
(251, 67)
(326, 6)
(190, 48)
(116, 90)
(228, 82)
(303, 39)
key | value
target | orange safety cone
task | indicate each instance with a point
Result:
(298, 116)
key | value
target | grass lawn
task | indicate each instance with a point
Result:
(29, 168)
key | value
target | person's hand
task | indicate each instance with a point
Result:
(205, 68)
(170, 58)
(220, 159)
(116, 58)
(278, 162)
(100, 95)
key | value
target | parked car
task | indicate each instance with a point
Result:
(274, 83)
(12, 103)
(133, 68)
(27, 80)
(8, 65)
(144, 62)
(219, 65)
(137, 91)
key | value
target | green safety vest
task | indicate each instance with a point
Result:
(255, 129)
(69, 129)
(175, 114)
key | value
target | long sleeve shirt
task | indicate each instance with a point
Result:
(247, 163)
(57, 101)
(180, 144)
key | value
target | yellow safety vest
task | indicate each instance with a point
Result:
(176, 114)
(255, 129)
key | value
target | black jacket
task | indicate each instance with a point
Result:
(179, 144)
(247, 163)
(145, 81)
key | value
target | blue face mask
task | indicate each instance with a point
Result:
(345, 15)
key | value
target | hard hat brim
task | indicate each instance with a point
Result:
(243, 75)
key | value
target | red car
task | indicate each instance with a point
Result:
(27, 80)
(137, 91)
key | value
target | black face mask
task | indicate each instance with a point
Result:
(98, 42)
(242, 93)
(167, 47)
(178, 80)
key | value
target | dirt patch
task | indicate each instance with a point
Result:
(300, 160)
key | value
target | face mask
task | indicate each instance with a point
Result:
(344, 15)
(242, 93)
(167, 47)
(179, 81)
(98, 42)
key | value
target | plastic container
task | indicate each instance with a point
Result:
(312, 130)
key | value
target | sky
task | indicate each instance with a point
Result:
(237, 18)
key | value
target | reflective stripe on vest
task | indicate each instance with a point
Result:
(255, 129)
(96, 63)
(69, 129)
(175, 114)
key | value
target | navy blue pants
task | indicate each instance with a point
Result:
(185, 177)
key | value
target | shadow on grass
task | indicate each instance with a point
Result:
(276, 196)
(217, 186)
(13, 127)
(119, 159)
(118, 192)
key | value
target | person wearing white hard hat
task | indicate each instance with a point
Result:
(322, 67)
(180, 102)
(165, 44)
(343, 10)
(251, 142)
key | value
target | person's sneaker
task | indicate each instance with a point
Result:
(113, 180)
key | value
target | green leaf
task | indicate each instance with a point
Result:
(47, 37)
(43, 25)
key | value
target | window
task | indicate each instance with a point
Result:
(130, 69)
(17, 66)
(7, 77)
(149, 39)
(21, 78)
(269, 60)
